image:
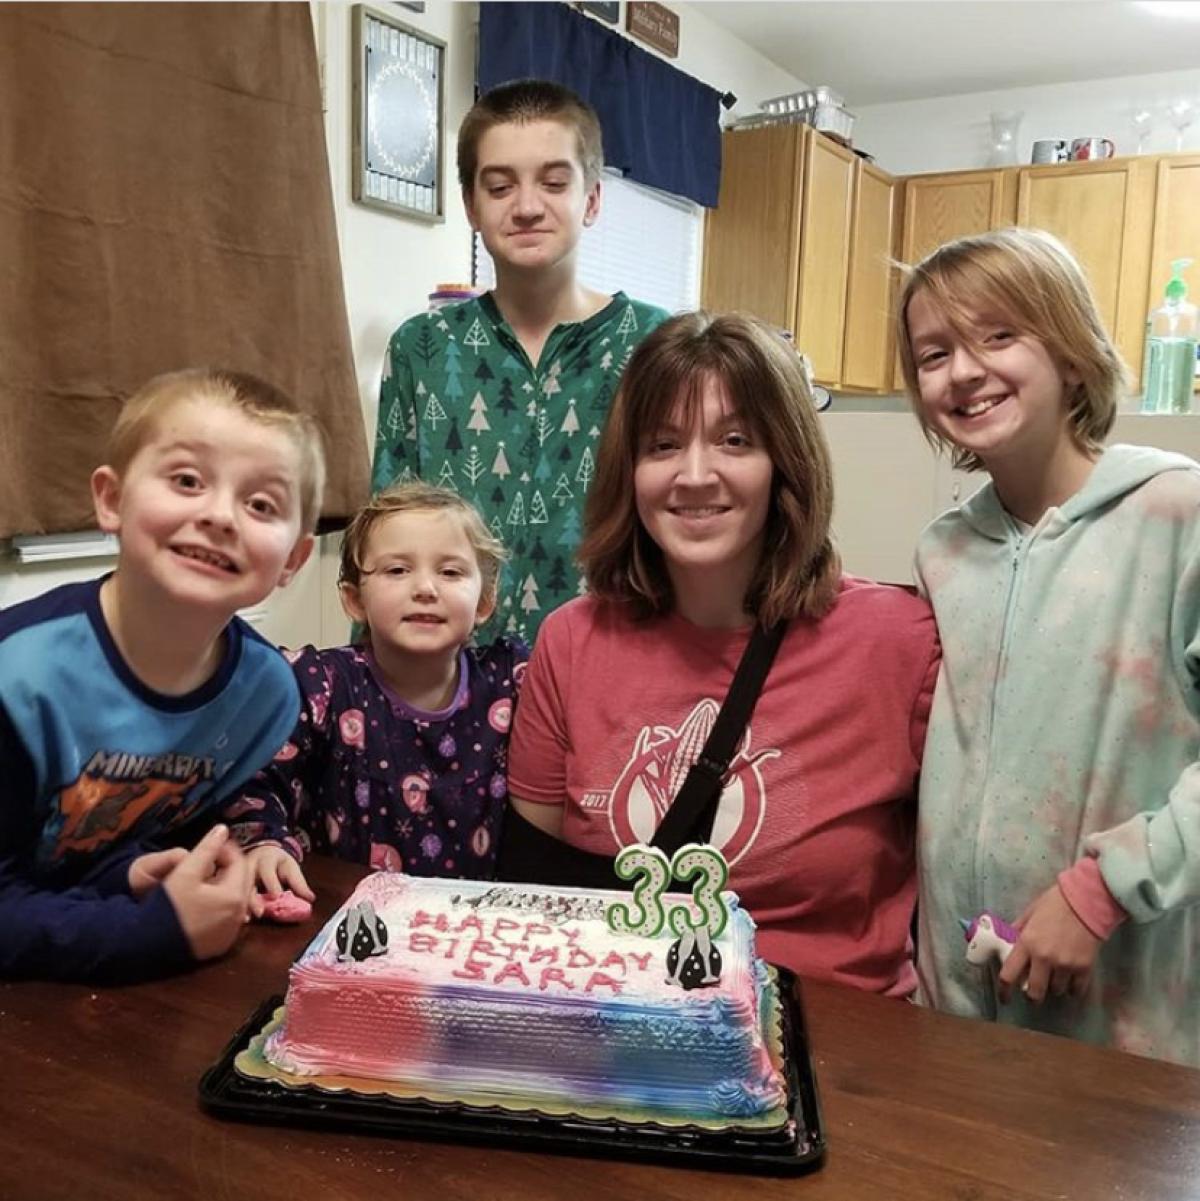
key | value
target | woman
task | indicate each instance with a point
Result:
(710, 513)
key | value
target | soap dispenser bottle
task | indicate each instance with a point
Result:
(1170, 362)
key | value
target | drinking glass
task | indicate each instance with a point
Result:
(1181, 113)
(1004, 138)
(1141, 117)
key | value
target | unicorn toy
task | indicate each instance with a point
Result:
(988, 937)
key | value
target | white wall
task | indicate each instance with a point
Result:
(711, 53)
(953, 133)
(19, 581)
(889, 484)
(390, 264)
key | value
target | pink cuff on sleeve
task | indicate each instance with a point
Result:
(1083, 888)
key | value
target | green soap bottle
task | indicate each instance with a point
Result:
(1169, 369)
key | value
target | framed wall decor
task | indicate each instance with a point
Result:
(606, 10)
(399, 116)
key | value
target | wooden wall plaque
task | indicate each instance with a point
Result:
(654, 24)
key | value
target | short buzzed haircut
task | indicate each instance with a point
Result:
(521, 102)
(259, 400)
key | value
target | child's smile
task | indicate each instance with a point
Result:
(209, 509)
(207, 558)
(421, 591)
(985, 385)
(979, 407)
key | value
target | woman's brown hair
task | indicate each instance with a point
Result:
(766, 384)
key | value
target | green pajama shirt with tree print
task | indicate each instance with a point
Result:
(461, 405)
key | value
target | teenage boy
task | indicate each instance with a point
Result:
(503, 397)
(132, 706)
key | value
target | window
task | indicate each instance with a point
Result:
(646, 243)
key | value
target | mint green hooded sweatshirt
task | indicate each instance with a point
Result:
(1066, 724)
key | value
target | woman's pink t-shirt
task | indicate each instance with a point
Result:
(818, 817)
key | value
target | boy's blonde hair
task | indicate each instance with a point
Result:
(257, 399)
(519, 103)
(798, 571)
(417, 496)
(1028, 278)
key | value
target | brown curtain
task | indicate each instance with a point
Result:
(164, 202)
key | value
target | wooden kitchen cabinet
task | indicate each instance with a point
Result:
(1176, 227)
(805, 229)
(867, 354)
(939, 208)
(1176, 224)
(1125, 219)
(752, 237)
(953, 204)
(1104, 211)
(825, 229)
(780, 245)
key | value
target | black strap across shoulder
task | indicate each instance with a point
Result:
(528, 854)
(692, 813)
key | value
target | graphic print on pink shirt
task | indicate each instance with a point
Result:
(654, 773)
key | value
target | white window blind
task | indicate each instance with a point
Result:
(645, 243)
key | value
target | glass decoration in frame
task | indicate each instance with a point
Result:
(399, 118)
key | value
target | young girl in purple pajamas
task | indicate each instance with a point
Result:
(399, 758)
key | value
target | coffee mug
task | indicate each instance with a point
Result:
(1089, 148)
(1050, 150)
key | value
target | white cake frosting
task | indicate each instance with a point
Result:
(521, 995)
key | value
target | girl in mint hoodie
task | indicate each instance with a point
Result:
(1060, 785)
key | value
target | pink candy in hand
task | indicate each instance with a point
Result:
(286, 908)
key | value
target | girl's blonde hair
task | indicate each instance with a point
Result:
(417, 496)
(1031, 280)
(798, 572)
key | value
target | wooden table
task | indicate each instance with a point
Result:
(99, 1102)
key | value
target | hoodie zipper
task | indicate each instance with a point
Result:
(1018, 558)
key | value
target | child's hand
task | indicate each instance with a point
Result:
(150, 870)
(210, 890)
(274, 870)
(1055, 948)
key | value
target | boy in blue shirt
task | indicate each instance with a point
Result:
(131, 707)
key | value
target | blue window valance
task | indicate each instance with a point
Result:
(661, 126)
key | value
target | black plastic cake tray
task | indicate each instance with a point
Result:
(797, 1147)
